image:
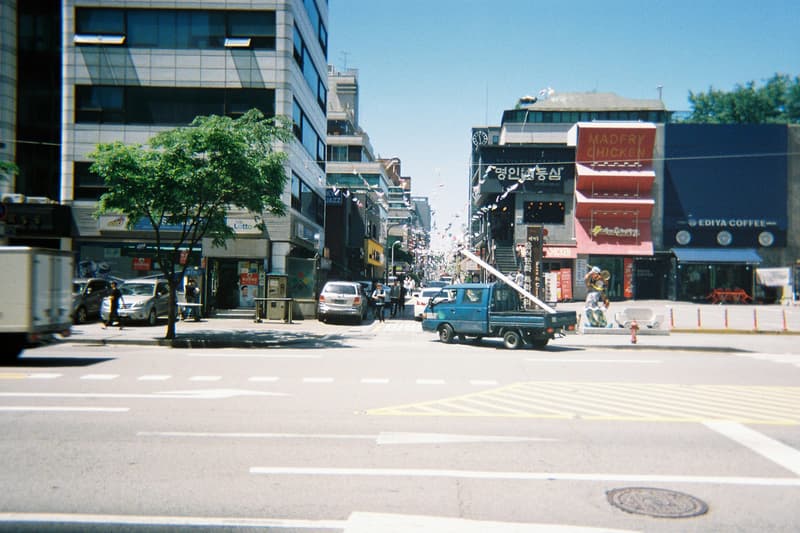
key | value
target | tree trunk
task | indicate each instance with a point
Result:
(172, 311)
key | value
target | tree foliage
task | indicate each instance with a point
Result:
(187, 179)
(776, 102)
(7, 169)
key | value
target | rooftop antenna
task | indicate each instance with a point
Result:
(659, 88)
(344, 55)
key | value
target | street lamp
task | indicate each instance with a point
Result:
(391, 269)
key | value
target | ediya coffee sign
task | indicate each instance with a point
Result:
(617, 146)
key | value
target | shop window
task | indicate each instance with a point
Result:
(544, 212)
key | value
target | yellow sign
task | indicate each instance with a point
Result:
(374, 254)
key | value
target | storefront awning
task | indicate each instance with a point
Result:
(717, 255)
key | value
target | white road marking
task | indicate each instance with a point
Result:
(155, 377)
(527, 476)
(176, 521)
(205, 378)
(100, 377)
(62, 409)
(384, 438)
(220, 353)
(566, 360)
(430, 382)
(44, 375)
(775, 451)
(199, 394)
(360, 522)
(317, 380)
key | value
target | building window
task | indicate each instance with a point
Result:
(544, 212)
(86, 184)
(307, 135)
(310, 73)
(177, 29)
(102, 104)
(316, 23)
(306, 201)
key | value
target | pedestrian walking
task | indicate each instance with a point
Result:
(395, 297)
(115, 298)
(190, 293)
(402, 301)
(379, 297)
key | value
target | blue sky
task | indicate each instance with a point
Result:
(429, 70)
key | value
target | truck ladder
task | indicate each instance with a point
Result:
(507, 280)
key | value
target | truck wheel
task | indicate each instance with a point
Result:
(512, 340)
(446, 334)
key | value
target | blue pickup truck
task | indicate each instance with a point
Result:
(477, 310)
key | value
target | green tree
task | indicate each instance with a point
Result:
(187, 179)
(776, 102)
(7, 169)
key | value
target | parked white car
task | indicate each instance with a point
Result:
(142, 300)
(421, 300)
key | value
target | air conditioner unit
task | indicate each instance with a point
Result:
(13, 198)
(38, 200)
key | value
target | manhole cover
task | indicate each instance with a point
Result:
(656, 502)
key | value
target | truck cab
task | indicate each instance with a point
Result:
(480, 310)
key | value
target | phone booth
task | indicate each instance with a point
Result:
(276, 288)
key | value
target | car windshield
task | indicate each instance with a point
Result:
(429, 293)
(77, 288)
(137, 289)
(341, 288)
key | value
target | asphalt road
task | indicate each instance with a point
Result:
(383, 428)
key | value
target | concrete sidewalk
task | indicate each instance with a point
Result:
(685, 325)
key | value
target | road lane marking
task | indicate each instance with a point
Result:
(99, 377)
(566, 360)
(197, 394)
(172, 521)
(60, 408)
(525, 476)
(44, 375)
(383, 438)
(771, 449)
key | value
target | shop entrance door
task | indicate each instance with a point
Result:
(228, 289)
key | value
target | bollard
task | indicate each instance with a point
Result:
(634, 329)
(755, 319)
(726, 318)
(785, 325)
(699, 322)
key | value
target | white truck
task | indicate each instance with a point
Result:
(36, 296)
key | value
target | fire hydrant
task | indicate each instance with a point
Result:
(634, 329)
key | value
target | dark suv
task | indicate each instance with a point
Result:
(87, 297)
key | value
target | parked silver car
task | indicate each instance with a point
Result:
(342, 299)
(142, 300)
(87, 298)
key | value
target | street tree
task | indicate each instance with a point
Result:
(7, 170)
(776, 102)
(184, 183)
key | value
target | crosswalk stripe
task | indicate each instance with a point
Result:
(618, 401)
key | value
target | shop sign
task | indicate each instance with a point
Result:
(538, 173)
(617, 145)
(616, 231)
(627, 277)
(374, 254)
(142, 263)
(243, 226)
(560, 252)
